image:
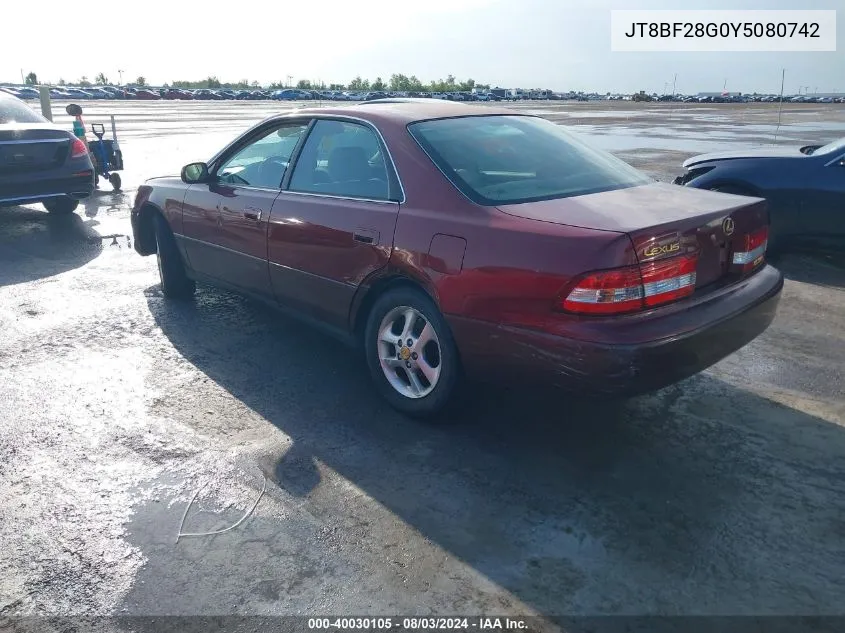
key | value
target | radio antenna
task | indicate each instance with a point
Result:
(780, 107)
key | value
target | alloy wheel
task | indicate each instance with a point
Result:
(409, 352)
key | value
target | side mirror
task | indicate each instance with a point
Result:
(194, 173)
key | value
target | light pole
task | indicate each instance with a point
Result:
(120, 74)
(290, 78)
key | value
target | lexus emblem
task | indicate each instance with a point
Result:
(728, 225)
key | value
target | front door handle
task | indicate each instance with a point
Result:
(251, 213)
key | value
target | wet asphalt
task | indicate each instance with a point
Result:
(720, 495)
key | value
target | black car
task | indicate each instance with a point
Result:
(804, 187)
(40, 162)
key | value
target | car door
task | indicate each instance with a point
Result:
(332, 225)
(825, 203)
(225, 220)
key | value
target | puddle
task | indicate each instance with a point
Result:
(117, 240)
(614, 140)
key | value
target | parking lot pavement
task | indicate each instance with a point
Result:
(720, 495)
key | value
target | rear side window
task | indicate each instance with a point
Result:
(13, 110)
(497, 160)
(341, 159)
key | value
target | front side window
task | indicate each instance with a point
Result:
(341, 159)
(262, 163)
(514, 159)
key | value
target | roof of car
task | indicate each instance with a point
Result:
(403, 111)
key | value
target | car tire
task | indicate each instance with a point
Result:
(114, 180)
(61, 206)
(438, 355)
(175, 283)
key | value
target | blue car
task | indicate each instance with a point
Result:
(28, 93)
(99, 93)
(287, 94)
(804, 188)
(77, 93)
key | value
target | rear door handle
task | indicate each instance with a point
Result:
(251, 213)
(365, 236)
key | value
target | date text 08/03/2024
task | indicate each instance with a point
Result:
(417, 624)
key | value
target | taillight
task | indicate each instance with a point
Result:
(608, 292)
(669, 279)
(78, 148)
(754, 250)
(633, 288)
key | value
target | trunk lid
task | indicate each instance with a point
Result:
(662, 221)
(25, 150)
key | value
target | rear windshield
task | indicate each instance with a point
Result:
(497, 160)
(13, 110)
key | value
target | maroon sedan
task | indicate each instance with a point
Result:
(451, 240)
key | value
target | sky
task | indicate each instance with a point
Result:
(557, 44)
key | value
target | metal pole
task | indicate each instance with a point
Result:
(113, 129)
(674, 81)
(46, 108)
(780, 107)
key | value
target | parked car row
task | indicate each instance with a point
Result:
(732, 98)
(298, 94)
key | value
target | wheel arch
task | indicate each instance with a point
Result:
(370, 291)
(145, 239)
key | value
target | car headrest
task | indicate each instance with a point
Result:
(349, 163)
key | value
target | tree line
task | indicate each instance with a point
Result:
(396, 83)
(101, 79)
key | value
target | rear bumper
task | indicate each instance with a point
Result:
(490, 351)
(37, 189)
